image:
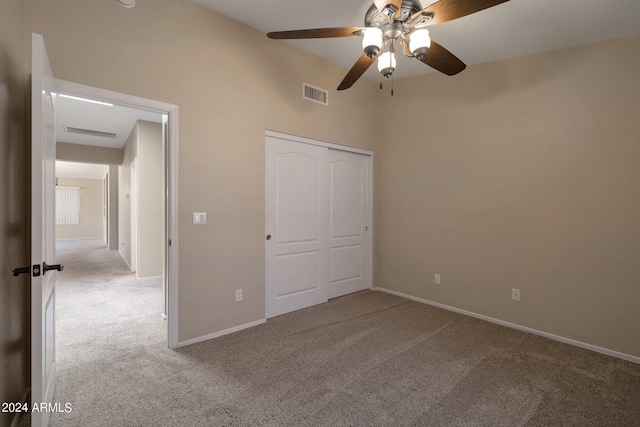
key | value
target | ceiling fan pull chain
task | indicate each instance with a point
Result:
(392, 85)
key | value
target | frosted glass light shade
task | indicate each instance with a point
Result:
(372, 41)
(420, 42)
(387, 64)
(126, 3)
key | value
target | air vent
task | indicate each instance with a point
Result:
(90, 132)
(315, 94)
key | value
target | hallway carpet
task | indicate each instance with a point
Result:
(367, 359)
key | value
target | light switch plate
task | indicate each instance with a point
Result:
(199, 218)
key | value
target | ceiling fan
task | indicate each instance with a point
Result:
(398, 24)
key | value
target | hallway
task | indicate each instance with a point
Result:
(104, 315)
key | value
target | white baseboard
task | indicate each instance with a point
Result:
(149, 277)
(124, 260)
(565, 340)
(221, 333)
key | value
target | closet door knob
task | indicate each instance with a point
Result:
(268, 236)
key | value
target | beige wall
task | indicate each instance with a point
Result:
(88, 154)
(130, 152)
(144, 144)
(150, 200)
(231, 83)
(112, 204)
(98, 155)
(14, 294)
(517, 173)
(520, 174)
(91, 210)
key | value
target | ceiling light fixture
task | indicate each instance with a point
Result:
(372, 41)
(411, 33)
(126, 3)
(93, 101)
(419, 43)
(398, 23)
(387, 62)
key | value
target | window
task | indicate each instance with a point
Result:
(67, 205)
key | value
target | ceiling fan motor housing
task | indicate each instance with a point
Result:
(373, 17)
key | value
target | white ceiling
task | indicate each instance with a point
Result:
(512, 29)
(97, 117)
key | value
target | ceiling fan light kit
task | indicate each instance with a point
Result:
(399, 22)
(126, 3)
(372, 41)
(387, 64)
(419, 43)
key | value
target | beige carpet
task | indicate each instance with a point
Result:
(368, 359)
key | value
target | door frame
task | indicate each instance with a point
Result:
(171, 179)
(303, 140)
(133, 215)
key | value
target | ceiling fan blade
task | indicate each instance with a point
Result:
(356, 71)
(448, 10)
(442, 60)
(317, 33)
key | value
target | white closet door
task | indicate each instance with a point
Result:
(349, 235)
(297, 221)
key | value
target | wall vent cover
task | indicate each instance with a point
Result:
(90, 132)
(315, 94)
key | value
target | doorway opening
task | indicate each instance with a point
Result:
(140, 179)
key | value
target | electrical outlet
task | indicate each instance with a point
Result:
(238, 295)
(436, 279)
(515, 294)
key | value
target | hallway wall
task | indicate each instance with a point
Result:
(145, 145)
(91, 210)
(150, 199)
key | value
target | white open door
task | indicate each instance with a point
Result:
(43, 280)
